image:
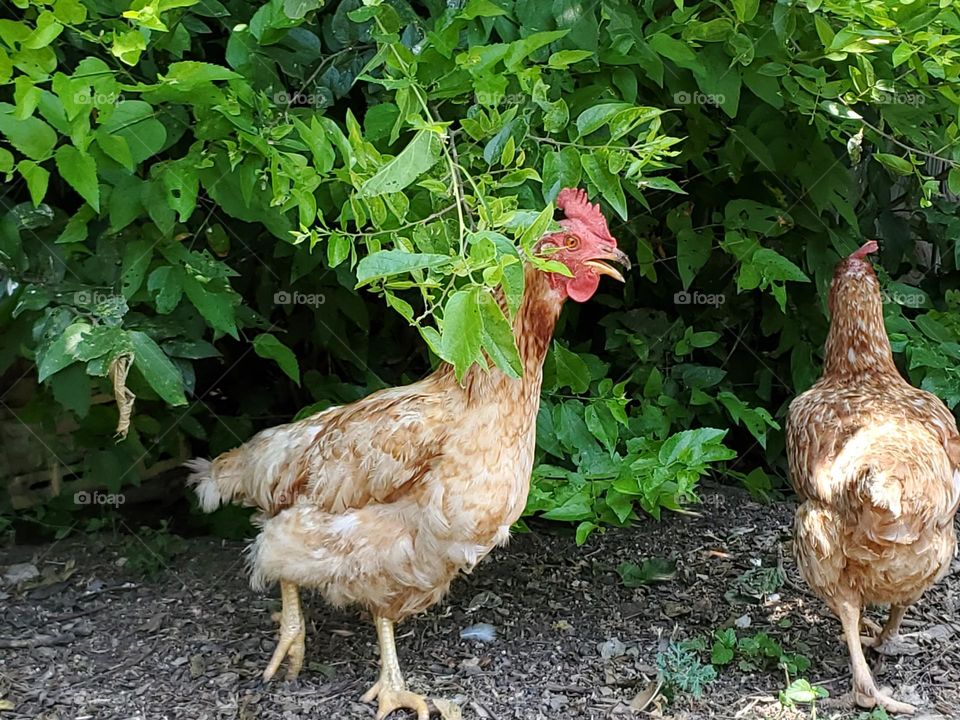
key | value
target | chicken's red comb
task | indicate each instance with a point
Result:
(870, 246)
(577, 206)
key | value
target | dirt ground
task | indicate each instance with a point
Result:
(93, 638)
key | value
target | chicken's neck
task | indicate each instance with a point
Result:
(857, 344)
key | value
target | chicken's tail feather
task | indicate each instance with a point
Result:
(212, 482)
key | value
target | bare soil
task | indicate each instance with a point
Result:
(92, 637)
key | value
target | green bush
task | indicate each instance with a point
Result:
(198, 193)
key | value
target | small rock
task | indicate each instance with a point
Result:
(470, 666)
(743, 622)
(612, 648)
(20, 573)
(485, 599)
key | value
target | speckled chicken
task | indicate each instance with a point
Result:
(875, 462)
(381, 503)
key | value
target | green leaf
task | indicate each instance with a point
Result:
(896, 164)
(31, 136)
(134, 121)
(520, 50)
(413, 161)
(595, 117)
(563, 58)
(269, 347)
(462, 330)
(167, 287)
(217, 308)
(116, 147)
(71, 388)
(62, 352)
(37, 180)
(953, 180)
(338, 249)
(650, 571)
(693, 251)
(80, 171)
(606, 182)
(136, 259)
(572, 371)
(774, 266)
(386, 263)
(746, 10)
(497, 338)
(157, 369)
(481, 8)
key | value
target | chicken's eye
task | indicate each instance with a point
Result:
(571, 242)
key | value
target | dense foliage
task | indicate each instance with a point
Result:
(219, 214)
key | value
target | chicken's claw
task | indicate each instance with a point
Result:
(391, 698)
(293, 632)
(873, 697)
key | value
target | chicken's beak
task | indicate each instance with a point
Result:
(600, 267)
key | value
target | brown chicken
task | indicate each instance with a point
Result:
(381, 503)
(875, 462)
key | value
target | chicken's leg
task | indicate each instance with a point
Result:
(390, 690)
(293, 630)
(889, 641)
(865, 691)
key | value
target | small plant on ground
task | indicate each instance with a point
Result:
(755, 652)
(682, 671)
(801, 691)
(151, 550)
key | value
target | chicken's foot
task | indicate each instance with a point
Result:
(390, 690)
(865, 691)
(889, 641)
(293, 630)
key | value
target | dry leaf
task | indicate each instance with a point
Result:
(448, 710)
(119, 369)
(646, 696)
(6, 705)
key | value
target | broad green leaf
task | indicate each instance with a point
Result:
(72, 389)
(136, 259)
(497, 338)
(166, 285)
(462, 330)
(746, 10)
(80, 171)
(563, 58)
(268, 346)
(774, 266)
(217, 308)
(520, 50)
(386, 263)
(31, 136)
(899, 165)
(413, 161)
(62, 351)
(693, 251)
(572, 371)
(605, 181)
(593, 118)
(157, 369)
(338, 249)
(37, 179)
